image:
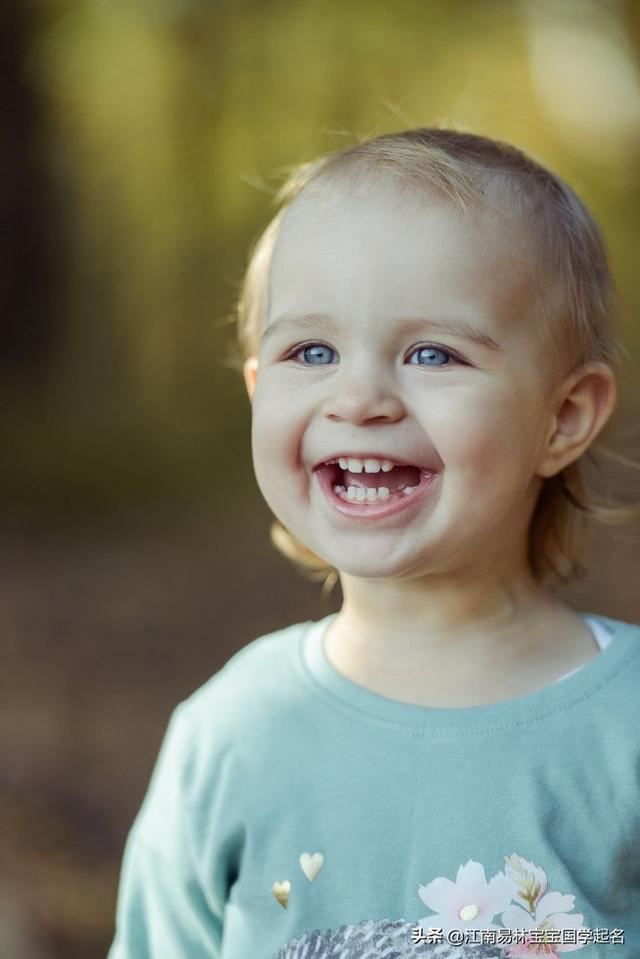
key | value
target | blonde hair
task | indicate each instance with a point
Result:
(579, 295)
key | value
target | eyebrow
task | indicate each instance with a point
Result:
(312, 321)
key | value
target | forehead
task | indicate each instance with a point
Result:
(388, 254)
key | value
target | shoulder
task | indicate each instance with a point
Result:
(260, 666)
(224, 739)
(220, 738)
(257, 688)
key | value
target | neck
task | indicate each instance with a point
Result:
(447, 627)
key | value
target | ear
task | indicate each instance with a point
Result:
(250, 371)
(584, 403)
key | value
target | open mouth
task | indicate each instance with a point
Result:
(373, 489)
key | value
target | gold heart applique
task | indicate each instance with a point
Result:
(281, 891)
(311, 865)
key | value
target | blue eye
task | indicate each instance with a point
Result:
(308, 351)
(313, 354)
(433, 355)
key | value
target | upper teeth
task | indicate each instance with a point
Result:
(356, 465)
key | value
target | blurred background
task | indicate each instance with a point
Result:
(142, 141)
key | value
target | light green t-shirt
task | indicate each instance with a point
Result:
(293, 813)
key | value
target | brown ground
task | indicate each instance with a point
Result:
(102, 634)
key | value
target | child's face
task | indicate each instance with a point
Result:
(474, 413)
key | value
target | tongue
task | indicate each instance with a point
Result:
(395, 479)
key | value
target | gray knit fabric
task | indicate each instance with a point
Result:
(379, 939)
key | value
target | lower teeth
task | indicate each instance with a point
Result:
(357, 494)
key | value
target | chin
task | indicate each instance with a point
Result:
(368, 565)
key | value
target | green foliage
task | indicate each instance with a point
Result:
(169, 125)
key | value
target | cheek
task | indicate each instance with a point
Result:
(275, 442)
(276, 448)
(490, 442)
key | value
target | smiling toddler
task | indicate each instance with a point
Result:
(449, 765)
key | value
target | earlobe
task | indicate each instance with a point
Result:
(584, 405)
(250, 371)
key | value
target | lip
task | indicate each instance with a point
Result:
(366, 513)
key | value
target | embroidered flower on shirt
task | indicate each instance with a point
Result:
(530, 879)
(539, 910)
(472, 903)
(468, 903)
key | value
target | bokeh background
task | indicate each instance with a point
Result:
(142, 141)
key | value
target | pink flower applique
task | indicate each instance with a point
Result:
(538, 910)
(468, 903)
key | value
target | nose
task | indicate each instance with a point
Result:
(363, 395)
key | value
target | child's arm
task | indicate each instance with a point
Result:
(165, 910)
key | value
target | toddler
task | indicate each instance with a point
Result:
(449, 765)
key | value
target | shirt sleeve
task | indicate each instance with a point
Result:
(165, 908)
